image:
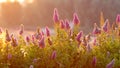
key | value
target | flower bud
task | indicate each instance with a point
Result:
(79, 35)
(8, 39)
(118, 19)
(14, 42)
(76, 20)
(21, 29)
(27, 39)
(56, 16)
(67, 25)
(62, 24)
(96, 30)
(47, 31)
(110, 65)
(106, 26)
(53, 56)
(42, 42)
(94, 61)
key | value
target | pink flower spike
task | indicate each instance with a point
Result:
(8, 39)
(42, 33)
(106, 26)
(79, 35)
(14, 42)
(96, 30)
(21, 29)
(76, 20)
(110, 65)
(27, 39)
(53, 56)
(38, 36)
(42, 42)
(56, 16)
(94, 61)
(62, 25)
(47, 31)
(33, 38)
(67, 25)
(118, 19)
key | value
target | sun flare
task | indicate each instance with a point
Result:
(2, 1)
(19, 1)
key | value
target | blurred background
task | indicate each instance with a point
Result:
(33, 13)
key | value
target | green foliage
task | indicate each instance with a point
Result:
(61, 50)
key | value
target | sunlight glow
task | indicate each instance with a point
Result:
(3, 1)
(19, 1)
(2, 37)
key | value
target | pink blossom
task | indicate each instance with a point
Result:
(94, 61)
(79, 35)
(33, 38)
(106, 26)
(56, 16)
(42, 33)
(118, 19)
(67, 25)
(14, 42)
(38, 36)
(62, 24)
(110, 65)
(27, 39)
(47, 31)
(96, 30)
(8, 39)
(42, 42)
(53, 56)
(21, 29)
(76, 20)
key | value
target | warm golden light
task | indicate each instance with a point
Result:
(2, 1)
(19, 1)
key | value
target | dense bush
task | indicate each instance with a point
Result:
(67, 48)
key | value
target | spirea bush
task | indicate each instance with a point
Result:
(67, 48)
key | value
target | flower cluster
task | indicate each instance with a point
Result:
(68, 47)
